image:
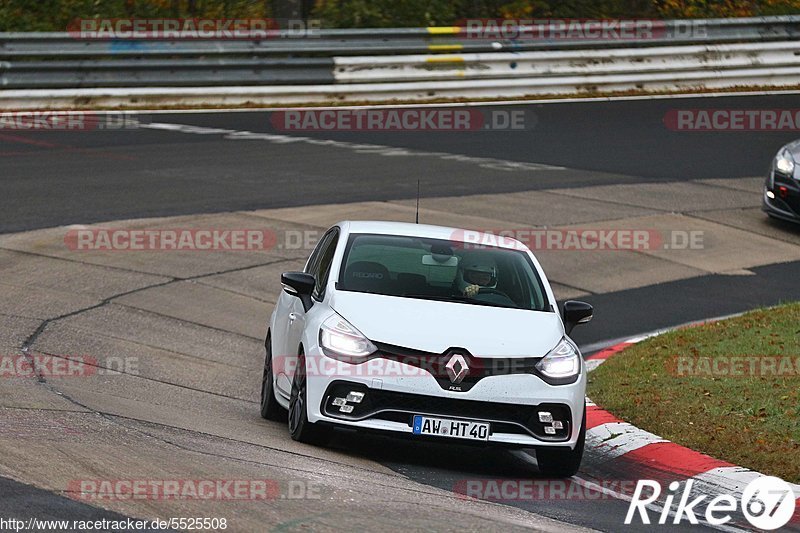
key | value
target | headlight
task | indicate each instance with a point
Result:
(563, 361)
(341, 340)
(784, 163)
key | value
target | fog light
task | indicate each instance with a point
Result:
(550, 430)
(545, 417)
(339, 401)
(355, 397)
(770, 195)
(346, 409)
(557, 424)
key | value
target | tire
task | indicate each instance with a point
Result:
(270, 408)
(562, 463)
(300, 429)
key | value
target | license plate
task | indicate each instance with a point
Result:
(445, 427)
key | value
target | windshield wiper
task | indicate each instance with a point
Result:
(437, 298)
(459, 299)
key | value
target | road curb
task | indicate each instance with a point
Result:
(618, 440)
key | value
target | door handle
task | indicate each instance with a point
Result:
(292, 317)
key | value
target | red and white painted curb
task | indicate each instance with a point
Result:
(614, 439)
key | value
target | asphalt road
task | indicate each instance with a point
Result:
(49, 179)
(624, 314)
(22, 502)
(55, 178)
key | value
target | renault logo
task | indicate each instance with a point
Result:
(457, 368)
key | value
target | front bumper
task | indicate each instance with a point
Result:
(785, 201)
(509, 403)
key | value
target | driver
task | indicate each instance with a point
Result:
(475, 274)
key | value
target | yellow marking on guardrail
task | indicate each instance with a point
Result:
(445, 59)
(445, 47)
(443, 30)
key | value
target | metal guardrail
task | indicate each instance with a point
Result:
(166, 72)
(380, 65)
(417, 91)
(638, 61)
(390, 41)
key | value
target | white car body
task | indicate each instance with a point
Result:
(433, 327)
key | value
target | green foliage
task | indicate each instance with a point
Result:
(386, 13)
(55, 15)
(725, 8)
(400, 13)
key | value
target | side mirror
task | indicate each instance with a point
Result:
(301, 285)
(576, 313)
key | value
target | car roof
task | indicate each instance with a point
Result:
(487, 237)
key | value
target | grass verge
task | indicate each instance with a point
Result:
(730, 389)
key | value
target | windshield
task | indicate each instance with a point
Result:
(434, 269)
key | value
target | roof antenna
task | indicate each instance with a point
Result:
(417, 217)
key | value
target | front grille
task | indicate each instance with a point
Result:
(479, 367)
(400, 407)
(792, 201)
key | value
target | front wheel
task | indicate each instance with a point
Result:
(270, 408)
(559, 462)
(300, 428)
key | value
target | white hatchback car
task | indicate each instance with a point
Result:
(427, 331)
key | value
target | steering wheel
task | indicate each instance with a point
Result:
(492, 290)
(496, 296)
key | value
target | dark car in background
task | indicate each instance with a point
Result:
(782, 188)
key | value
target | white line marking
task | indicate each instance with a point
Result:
(614, 439)
(591, 364)
(484, 162)
(734, 479)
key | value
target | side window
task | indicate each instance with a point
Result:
(312, 267)
(325, 262)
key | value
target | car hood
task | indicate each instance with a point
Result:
(794, 148)
(433, 326)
